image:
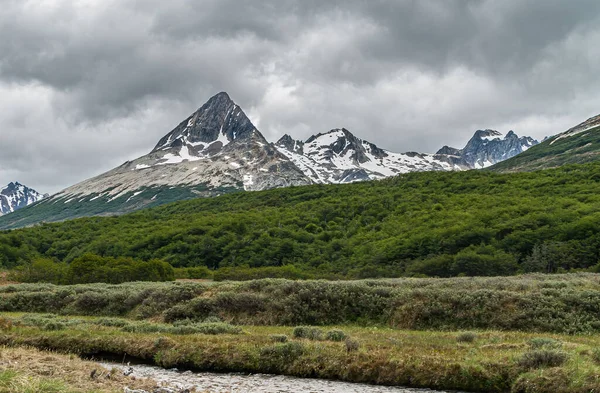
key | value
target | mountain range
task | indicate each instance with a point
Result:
(218, 150)
(15, 196)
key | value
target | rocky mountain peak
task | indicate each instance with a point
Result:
(290, 144)
(218, 122)
(487, 147)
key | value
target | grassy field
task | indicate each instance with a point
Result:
(525, 334)
(480, 361)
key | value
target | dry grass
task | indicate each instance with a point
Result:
(30, 370)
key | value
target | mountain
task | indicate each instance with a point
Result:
(213, 151)
(488, 147)
(577, 145)
(218, 150)
(15, 196)
(338, 156)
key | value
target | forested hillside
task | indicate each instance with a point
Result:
(435, 224)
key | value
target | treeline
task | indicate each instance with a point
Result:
(91, 268)
(420, 224)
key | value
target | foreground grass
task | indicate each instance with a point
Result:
(484, 361)
(28, 370)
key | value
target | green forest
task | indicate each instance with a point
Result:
(437, 224)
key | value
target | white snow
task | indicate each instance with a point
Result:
(141, 166)
(248, 181)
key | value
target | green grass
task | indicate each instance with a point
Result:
(495, 362)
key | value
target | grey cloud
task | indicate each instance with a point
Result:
(88, 86)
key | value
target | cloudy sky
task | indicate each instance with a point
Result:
(87, 84)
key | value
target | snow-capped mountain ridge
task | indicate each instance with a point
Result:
(338, 156)
(488, 147)
(15, 196)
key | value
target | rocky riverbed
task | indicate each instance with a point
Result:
(243, 383)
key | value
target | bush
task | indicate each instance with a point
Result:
(335, 335)
(308, 332)
(279, 338)
(466, 337)
(542, 358)
(280, 355)
(351, 345)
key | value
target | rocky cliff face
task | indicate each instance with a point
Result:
(15, 196)
(488, 147)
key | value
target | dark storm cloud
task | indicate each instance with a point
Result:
(86, 85)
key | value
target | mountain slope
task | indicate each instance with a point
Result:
(15, 196)
(577, 145)
(433, 223)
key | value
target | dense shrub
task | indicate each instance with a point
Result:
(466, 337)
(279, 338)
(91, 268)
(541, 303)
(335, 335)
(308, 332)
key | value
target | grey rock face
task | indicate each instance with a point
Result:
(486, 148)
(15, 196)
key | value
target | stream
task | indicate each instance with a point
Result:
(246, 383)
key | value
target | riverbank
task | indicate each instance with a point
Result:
(29, 370)
(484, 361)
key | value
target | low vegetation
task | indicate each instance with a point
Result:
(568, 303)
(474, 223)
(494, 362)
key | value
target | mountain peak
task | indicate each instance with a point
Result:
(15, 196)
(488, 134)
(206, 131)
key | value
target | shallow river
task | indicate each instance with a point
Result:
(242, 383)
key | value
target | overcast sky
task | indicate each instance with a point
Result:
(86, 85)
